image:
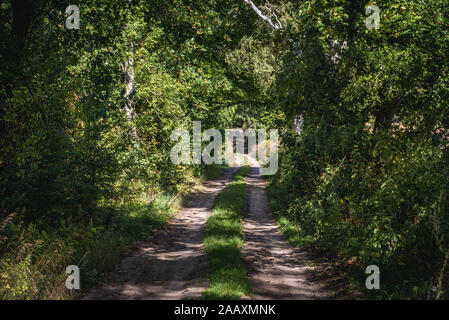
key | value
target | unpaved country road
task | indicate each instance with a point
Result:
(276, 269)
(172, 264)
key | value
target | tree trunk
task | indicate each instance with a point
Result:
(129, 81)
(128, 70)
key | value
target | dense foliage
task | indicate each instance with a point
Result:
(86, 116)
(367, 182)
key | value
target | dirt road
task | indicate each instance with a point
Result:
(172, 264)
(276, 269)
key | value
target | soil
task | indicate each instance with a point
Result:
(171, 264)
(276, 269)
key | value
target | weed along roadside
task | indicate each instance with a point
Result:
(223, 242)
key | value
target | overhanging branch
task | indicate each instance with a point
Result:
(277, 26)
(264, 17)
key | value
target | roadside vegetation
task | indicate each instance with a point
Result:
(366, 182)
(34, 258)
(224, 240)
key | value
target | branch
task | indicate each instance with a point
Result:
(270, 8)
(264, 17)
(276, 26)
(297, 121)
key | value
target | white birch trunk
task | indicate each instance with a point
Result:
(129, 81)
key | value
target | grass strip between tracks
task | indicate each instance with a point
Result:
(224, 240)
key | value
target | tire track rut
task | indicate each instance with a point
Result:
(171, 264)
(276, 269)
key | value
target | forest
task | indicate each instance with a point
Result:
(91, 92)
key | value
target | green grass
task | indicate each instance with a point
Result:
(132, 223)
(214, 171)
(291, 231)
(278, 200)
(227, 277)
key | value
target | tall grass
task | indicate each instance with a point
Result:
(33, 258)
